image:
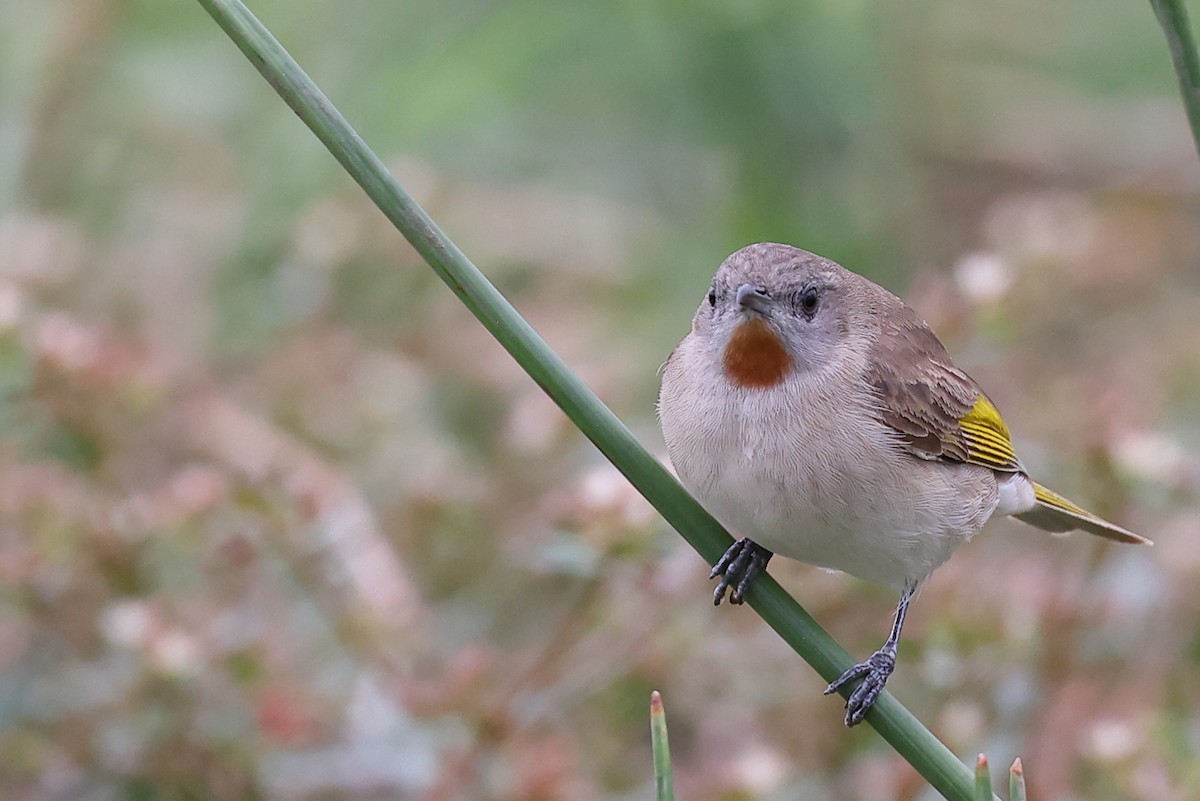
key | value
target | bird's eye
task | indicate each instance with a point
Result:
(712, 297)
(809, 300)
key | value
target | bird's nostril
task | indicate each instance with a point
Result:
(752, 296)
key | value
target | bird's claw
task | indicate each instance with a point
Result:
(742, 562)
(874, 674)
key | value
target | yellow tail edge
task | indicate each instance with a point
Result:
(1058, 514)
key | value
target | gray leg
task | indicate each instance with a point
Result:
(876, 670)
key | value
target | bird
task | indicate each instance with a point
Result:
(815, 414)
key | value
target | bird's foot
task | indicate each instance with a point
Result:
(744, 560)
(874, 674)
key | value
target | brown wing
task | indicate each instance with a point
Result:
(938, 410)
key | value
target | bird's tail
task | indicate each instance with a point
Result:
(1055, 513)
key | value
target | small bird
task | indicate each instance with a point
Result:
(815, 414)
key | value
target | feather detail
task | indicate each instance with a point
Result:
(939, 413)
(754, 357)
(938, 410)
(1057, 514)
(987, 439)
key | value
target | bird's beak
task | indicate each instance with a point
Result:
(753, 298)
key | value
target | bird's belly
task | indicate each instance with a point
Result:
(857, 505)
(835, 523)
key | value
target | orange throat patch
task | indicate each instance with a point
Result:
(755, 357)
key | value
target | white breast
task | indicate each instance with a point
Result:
(811, 474)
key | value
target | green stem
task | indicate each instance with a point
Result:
(983, 779)
(664, 787)
(1016, 781)
(1173, 16)
(904, 732)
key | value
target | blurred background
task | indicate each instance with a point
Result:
(278, 520)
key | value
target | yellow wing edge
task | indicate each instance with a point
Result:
(1057, 513)
(987, 439)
